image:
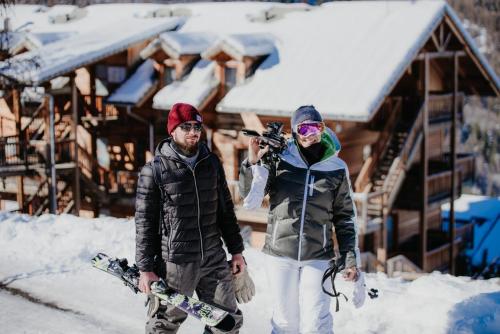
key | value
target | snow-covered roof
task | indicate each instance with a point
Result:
(16, 41)
(240, 45)
(110, 35)
(193, 89)
(278, 11)
(344, 58)
(135, 88)
(175, 44)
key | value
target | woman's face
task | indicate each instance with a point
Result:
(309, 133)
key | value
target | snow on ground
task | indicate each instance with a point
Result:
(48, 259)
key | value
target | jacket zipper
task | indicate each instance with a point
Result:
(198, 203)
(304, 201)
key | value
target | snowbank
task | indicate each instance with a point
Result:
(48, 257)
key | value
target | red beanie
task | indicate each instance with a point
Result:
(180, 113)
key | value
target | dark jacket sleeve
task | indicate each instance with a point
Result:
(344, 220)
(147, 213)
(245, 178)
(226, 218)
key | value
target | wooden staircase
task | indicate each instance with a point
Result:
(393, 165)
(27, 156)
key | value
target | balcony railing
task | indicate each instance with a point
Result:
(369, 215)
(439, 257)
(14, 152)
(441, 107)
(439, 185)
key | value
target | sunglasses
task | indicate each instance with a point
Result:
(188, 126)
(310, 129)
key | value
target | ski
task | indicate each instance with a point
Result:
(209, 315)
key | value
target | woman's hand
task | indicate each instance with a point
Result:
(255, 153)
(351, 274)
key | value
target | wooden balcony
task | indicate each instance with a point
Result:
(19, 157)
(407, 222)
(441, 107)
(439, 188)
(439, 258)
(439, 185)
(438, 250)
(465, 164)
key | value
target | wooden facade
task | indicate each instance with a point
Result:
(71, 152)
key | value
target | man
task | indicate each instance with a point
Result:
(310, 193)
(182, 215)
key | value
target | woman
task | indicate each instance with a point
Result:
(310, 194)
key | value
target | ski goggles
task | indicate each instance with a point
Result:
(310, 129)
(188, 126)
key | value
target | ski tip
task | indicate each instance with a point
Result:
(100, 261)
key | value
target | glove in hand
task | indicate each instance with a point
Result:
(244, 288)
(359, 293)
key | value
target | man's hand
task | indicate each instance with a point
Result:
(255, 153)
(238, 264)
(351, 274)
(145, 280)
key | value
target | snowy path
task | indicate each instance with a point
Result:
(48, 258)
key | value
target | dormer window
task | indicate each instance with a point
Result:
(64, 14)
(239, 55)
(230, 76)
(168, 75)
(111, 74)
(177, 53)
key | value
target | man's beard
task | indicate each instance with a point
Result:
(187, 149)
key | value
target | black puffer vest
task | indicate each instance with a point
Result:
(190, 225)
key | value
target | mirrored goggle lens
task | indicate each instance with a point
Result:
(188, 126)
(309, 129)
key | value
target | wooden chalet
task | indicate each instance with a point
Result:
(390, 78)
(64, 150)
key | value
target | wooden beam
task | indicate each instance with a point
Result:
(93, 102)
(441, 54)
(436, 43)
(16, 109)
(74, 125)
(424, 157)
(453, 142)
(252, 121)
(447, 41)
(471, 54)
(52, 158)
(441, 34)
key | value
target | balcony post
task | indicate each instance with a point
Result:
(20, 149)
(52, 143)
(425, 166)
(74, 125)
(453, 142)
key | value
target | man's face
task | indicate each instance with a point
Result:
(187, 135)
(309, 133)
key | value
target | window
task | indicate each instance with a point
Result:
(230, 76)
(111, 74)
(116, 74)
(168, 75)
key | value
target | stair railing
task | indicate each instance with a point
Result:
(379, 149)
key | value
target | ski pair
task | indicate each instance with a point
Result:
(208, 314)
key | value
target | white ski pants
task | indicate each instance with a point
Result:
(299, 304)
